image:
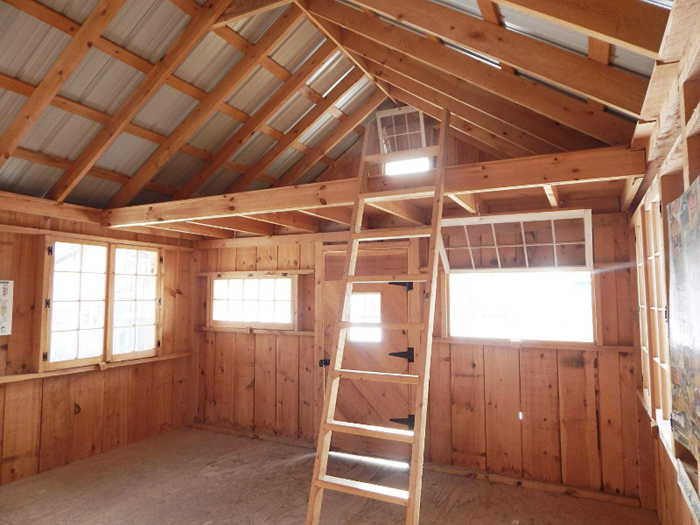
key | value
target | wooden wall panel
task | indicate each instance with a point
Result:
(468, 409)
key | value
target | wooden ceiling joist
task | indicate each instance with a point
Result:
(148, 87)
(241, 224)
(470, 202)
(261, 116)
(631, 24)
(98, 20)
(402, 209)
(546, 101)
(552, 193)
(339, 215)
(610, 86)
(241, 9)
(258, 169)
(334, 137)
(546, 129)
(235, 76)
(196, 229)
(289, 219)
(577, 167)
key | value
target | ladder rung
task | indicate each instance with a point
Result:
(357, 429)
(385, 326)
(367, 490)
(362, 375)
(415, 278)
(381, 234)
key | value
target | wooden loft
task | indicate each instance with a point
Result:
(220, 143)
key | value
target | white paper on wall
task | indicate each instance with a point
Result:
(6, 291)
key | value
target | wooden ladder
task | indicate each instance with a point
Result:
(419, 383)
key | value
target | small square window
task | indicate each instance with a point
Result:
(257, 302)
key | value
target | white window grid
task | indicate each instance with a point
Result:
(391, 140)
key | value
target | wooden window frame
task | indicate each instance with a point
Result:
(154, 352)
(45, 299)
(282, 327)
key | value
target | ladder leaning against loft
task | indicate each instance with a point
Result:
(321, 481)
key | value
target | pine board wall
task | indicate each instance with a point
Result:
(579, 425)
(53, 421)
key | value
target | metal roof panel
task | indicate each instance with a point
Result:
(253, 149)
(10, 104)
(218, 184)
(254, 91)
(217, 129)
(28, 178)
(290, 113)
(178, 170)
(328, 75)
(252, 28)
(208, 62)
(293, 50)
(93, 192)
(285, 161)
(126, 154)
(165, 111)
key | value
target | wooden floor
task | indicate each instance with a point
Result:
(191, 476)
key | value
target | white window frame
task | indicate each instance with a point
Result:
(292, 326)
(45, 299)
(393, 113)
(111, 357)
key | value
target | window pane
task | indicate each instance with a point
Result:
(357, 306)
(90, 343)
(220, 289)
(64, 346)
(267, 289)
(283, 311)
(145, 338)
(66, 257)
(64, 316)
(546, 306)
(123, 340)
(92, 314)
(283, 289)
(125, 261)
(145, 287)
(145, 313)
(147, 263)
(124, 287)
(235, 310)
(250, 289)
(66, 287)
(94, 258)
(250, 311)
(235, 289)
(124, 312)
(373, 306)
(266, 312)
(220, 310)
(365, 335)
(92, 287)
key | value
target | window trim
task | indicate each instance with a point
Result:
(45, 299)
(277, 274)
(109, 356)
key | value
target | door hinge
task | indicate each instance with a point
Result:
(324, 362)
(158, 344)
(160, 301)
(409, 421)
(161, 259)
(661, 208)
(408, 354)
(666, 313)
(45, 356)
(49, 250)
(47, 303)
(409, 285)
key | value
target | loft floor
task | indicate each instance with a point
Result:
(191, 476)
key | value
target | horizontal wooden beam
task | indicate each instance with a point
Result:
(566, 168)
(634, 25)
(48, 208)
(241, 224)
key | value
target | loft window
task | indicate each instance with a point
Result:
(365, 308)
(402, 129)
(522, 276)
(405, 167)
(258, 302)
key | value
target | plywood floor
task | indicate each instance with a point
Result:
(191, 476)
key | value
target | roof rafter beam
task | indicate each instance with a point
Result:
(578, 167)
(240, 9)
(261, 116)
(234, 77)
(96, 22)
(549, 102)
(293, 174)
(148, 87)
(610, 86)
(492, 14)
(634, 25)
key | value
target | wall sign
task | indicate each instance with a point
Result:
(6, 290)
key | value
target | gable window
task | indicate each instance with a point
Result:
(258, 301)
(365, 308)
(77, 304)
(521, 277)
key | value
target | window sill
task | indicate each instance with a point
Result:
(558, 345)
(249, 330)
(91, 368)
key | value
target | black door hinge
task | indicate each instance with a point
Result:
(161, 259)
(158, 344)
(408, 354)
(45, 356)
(409, 286)
(47, 303)
(666, 313)
(324, 362)
(160, 301)
(49, 250)
(409, 421)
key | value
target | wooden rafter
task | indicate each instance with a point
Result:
(299, 221)
(245, 8)
(634, 25)
(256, 170)
(579, 167)
(470, 202)
(322, 148)
(560, 137)
(206, 107)
(558, 106)
(610, 86)
(178, 51)
(490, 13)
(261, 116)
(98, 20)
(552, 193)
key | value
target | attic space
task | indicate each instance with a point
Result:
(349, 262)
